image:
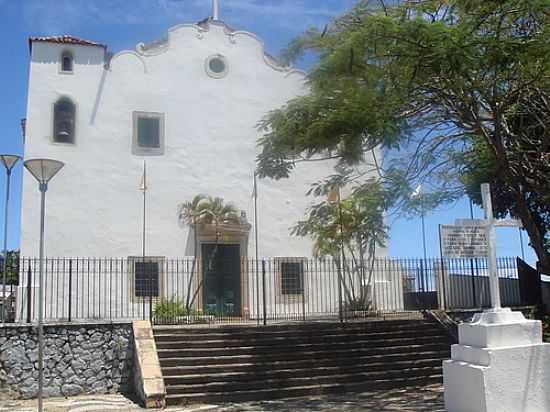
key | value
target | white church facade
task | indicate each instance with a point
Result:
(188, 106)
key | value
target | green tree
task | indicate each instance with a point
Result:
(204, 209)
(425, 81)
(349, 230)
(479, 165)
(12, 268)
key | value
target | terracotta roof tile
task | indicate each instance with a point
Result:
(65, 39)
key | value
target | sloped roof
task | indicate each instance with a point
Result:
(65, 39)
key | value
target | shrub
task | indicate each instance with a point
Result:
(358, 305)
(169, 308)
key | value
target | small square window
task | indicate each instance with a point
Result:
(67, 62)
(148, 132)
(148, 135)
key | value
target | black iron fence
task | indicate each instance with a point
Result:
(178, 291)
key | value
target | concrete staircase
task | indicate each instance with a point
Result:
(237, 363)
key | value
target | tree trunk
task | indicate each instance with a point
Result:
(536, 237)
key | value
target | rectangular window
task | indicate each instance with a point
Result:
(148, 132)
(148, 135)
(292, 278)
(146, 276)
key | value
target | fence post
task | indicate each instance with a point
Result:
(263, 292)
(340, 311)
(70, 288)
(473, 283)
(257, 276)
(29, 293)
(444, 292)
(151, 294)
(304, 291)
(144, 293)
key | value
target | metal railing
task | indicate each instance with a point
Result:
(175, 291)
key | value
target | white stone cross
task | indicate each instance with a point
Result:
(500, 363)
(490, 224)
(215, 10)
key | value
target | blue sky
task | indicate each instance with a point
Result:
(121, 24)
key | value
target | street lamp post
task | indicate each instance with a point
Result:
(43, 170)
(9, 162)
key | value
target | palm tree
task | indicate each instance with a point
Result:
(207, 210)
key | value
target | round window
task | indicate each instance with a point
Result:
(216, 66)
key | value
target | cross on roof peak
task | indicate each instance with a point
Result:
(215, 10)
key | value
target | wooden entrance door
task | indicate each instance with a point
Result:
(222, 279)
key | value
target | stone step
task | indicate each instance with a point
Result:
(242, 332)
(212, 358)
(298, 391)
(172, 359)
(240, 363)
(169, 369)
(177, 376)
(342, 378)
(296, 347)
(167, 341)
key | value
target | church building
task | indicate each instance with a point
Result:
(186, 106)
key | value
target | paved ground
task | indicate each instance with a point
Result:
(417, 400)
(428, 399)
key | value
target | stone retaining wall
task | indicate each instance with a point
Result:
(78, 359)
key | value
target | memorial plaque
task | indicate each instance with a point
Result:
(463, 241)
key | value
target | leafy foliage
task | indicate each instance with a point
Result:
(170, 309)
(356, 221)
(207, 210)
(429, 83)
(349, 230)
(480, 165)
(12, 268)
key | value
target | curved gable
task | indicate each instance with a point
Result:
(186, 36)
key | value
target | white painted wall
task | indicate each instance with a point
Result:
(94, 207)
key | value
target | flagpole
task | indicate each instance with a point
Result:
(424, 280)
(256, 246)
(144, 188)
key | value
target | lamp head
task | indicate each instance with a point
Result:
(43, 170)
(9, 161)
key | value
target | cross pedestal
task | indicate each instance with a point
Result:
(500, 363)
